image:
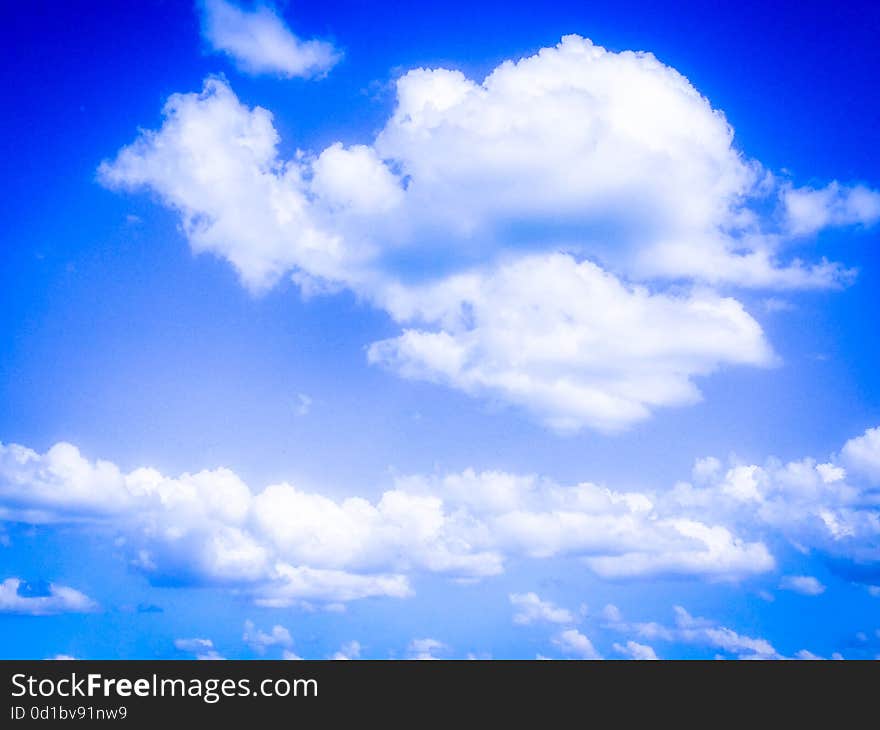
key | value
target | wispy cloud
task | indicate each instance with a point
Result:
(530, 608)
(260, 42)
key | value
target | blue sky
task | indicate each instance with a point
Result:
(576, 362)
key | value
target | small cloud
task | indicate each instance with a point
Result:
(775, 304)
(202, 648)
(532, 609)
(260, 42)
(304, 404)
(350, 650)
(806, 585)
(808, 656)
(699, 631)
(862, 455)
(19, 597)
(634, 650)
(611, 613)
(574, 643)
(808, 210)
(425, 648)
(259, 640)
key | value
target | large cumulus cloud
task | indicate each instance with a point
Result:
(563, 188)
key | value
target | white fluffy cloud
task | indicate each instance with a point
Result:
(616, 534)
(58, 599)
(815, 506)
(573, 643)
(259, 641)
(569, 341)
(808, 210)
(259, 41)
(297, 586)
(530, 608)
(284, 546)
(537, 199)
(635, 650)
(862, 454)
(204, 527)
(215, 161)
(203, 649)
(349, 650)
(612, 154)
(556, 150)
(806, 585)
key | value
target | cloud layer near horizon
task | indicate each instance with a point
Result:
(284, 546)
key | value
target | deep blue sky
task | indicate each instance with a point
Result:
(115, 337)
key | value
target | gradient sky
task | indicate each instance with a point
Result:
(119, 338)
